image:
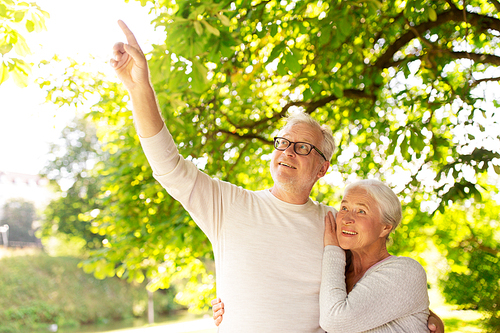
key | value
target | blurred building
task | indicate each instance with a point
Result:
(30, 188)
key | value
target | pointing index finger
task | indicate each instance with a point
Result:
(128, 33)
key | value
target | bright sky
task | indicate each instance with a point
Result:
(76, 29)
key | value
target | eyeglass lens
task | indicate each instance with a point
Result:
(301, 148)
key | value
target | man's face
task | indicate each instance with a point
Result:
(293, 172)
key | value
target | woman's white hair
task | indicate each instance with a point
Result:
(388, 203)
(328, 145)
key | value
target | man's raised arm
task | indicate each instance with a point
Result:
(131, 66)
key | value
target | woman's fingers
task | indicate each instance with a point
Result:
(216, 307)
(218, 313)
(218, 310)
(330, 217)
(330, 237)
(218, 316)
(329, 221)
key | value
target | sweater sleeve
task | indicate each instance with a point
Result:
(199, 194)
(389, 291)
(161, 152)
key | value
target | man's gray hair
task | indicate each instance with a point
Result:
(328, 145)
(388, 203)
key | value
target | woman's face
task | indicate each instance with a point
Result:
(359, 224)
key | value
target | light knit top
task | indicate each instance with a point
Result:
(390, 297)
(267, 252)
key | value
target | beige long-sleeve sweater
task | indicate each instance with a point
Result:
(390, 297)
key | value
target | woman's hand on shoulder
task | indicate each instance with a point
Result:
(330, 237)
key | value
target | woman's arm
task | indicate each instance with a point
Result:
(388, 292)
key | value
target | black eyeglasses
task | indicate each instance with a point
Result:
(300, 148)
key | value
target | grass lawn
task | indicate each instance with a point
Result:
(463, 322)
(455, 321)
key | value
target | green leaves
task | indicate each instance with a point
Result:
(223, 19)
(20, 71)
(291, 61)
(432, 14)
(473, 254)
(4, 73)
(199, 76)
(210, 28)
(12, 16)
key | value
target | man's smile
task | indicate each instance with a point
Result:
(287, 165)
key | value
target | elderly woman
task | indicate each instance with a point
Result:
(378, 292)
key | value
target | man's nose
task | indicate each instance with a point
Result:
(290, 150)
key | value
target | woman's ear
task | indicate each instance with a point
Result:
(386, 230)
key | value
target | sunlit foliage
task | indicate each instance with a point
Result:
(16, 19)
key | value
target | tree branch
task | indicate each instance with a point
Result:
(478, 243)
(244, 136)
(496, 4)
(484, 58)
(482, 23)
(309, 106)
(477, 82)
(349, 93)
(242, 150)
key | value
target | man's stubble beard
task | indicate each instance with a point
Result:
(295, 185)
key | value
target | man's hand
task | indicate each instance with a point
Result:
(218, 310)
(330, 237)
(435, 324)
(131, 67)
(129, 61)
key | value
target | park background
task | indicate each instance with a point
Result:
(409, 88)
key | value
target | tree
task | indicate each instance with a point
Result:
(473, 254)
(71, 164)
(403, 85)
(19, 215)
(17, 18)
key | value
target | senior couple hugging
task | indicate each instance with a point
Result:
(281, 257)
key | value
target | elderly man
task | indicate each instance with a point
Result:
(267, 244)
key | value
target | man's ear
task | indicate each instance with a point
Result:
(324, 169)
